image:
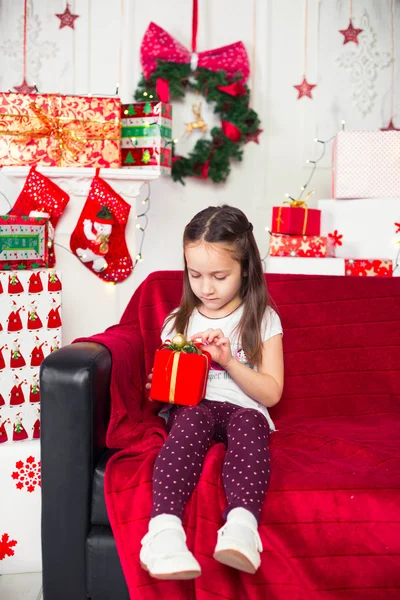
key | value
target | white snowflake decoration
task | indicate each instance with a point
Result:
(363, 61)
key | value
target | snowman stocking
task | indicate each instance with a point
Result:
(99, 236)
(41, 197)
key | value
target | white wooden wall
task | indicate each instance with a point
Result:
(104, 50)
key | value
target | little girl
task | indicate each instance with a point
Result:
(225, 307)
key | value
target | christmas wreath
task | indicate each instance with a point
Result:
(221, 85)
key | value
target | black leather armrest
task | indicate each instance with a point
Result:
(75, 403)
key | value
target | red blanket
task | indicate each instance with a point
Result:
(331, 522)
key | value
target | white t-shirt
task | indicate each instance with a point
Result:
(220, 386)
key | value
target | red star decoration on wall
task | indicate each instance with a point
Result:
(253, 136)
(398, 227)
(25, 88)
(390, 127)
(67, 19)
(350, 34)
(304, 88)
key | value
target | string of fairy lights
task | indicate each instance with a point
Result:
(142, 226)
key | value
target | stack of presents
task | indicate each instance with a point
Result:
(61, 131)
(81, 131)
(357, 233)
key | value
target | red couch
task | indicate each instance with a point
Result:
(331, 522)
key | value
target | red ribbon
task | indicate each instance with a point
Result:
(25, 27)
(233, 89)
(158, 44)
(195, 19)
(162, 89)
(204, 170)
(231, 131)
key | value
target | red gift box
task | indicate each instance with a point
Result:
(296, 219)
(25, 243)
(179, 377)
(368, 268)
(304, 246)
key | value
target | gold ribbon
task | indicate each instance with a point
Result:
(69, 133)
(67, 139)
(174, 375)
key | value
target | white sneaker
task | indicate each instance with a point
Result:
(164, 553)
(239, 543)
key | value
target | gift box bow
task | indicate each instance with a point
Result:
(179, 347)
(158, 44)
(293, 204)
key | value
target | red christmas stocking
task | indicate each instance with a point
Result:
(99, 236)
(41, 195)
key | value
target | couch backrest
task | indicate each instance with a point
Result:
(341, 339)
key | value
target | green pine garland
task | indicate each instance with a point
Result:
(219, 150)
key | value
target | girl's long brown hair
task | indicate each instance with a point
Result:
(229, 225)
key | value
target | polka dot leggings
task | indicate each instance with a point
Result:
(246, 469)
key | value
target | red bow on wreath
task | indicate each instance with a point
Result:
(159, 44)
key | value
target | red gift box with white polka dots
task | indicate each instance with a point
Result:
(179, 378)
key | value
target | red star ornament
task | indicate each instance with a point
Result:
(304, 88)
(25, 88)
(253, 136)
(67, 19)
(398, 227)
(390, 127)
(350, 34)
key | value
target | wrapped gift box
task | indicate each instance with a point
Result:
(296, 220)
(24, 243)
(366, 164)
(179, 377)
(146, 136)
(301, 245)
(368, 226)
(306, 266)
(55, 130)
(369, 268)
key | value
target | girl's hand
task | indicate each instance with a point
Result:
(216, 344)
(149, 377)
